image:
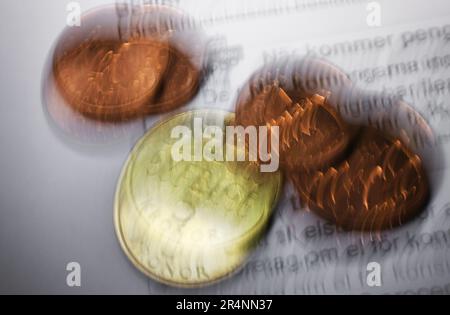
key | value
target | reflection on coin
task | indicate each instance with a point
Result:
(312, 133)
(381, 185)
(189, 223)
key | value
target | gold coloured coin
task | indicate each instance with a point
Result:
(190, 222)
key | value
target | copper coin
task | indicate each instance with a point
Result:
(109, 68)
(180, 83)
(382, 184)
(125, 61)
(312, 134)
(107, 79)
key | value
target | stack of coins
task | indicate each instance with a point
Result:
(358, 176)
(123, 63)
(190, 222)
